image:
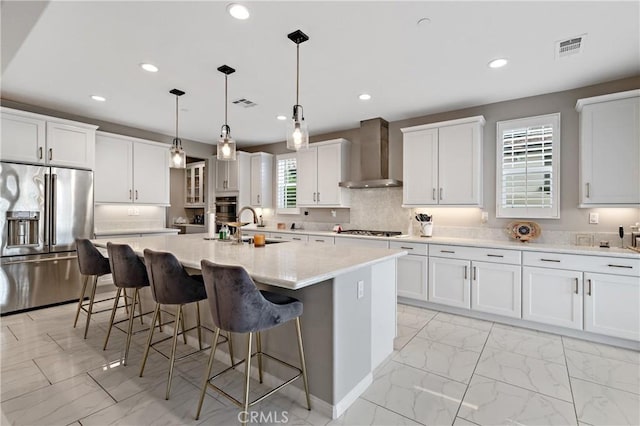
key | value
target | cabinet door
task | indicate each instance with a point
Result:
(449, 282)
(256, 181)
(420, 167)
(460, 162)
(611, 305)
(113, 175)
(222, 175)
(412, 277)
(552, 296)
(307, 185)
(329, 164)
(233, 170)
(150, 174)
(609, 152)
(496, 289)
(70, 146)
(23, 139)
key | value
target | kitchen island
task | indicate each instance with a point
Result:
(349, 296)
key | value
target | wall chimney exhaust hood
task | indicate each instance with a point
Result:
(374, 156)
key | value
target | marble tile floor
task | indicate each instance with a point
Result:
(445, 370)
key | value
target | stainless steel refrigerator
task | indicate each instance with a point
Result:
(42, 211)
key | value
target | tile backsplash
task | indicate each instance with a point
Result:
(109, 217)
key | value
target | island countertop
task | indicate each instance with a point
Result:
(291, 265)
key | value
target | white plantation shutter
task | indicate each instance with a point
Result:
(527, 167)
(287, 175)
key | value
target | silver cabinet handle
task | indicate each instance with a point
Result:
(577, 282)
(318, 197)
(130, 194)
(406, 248)
(136, 194)
(50, 154)
(296, 239)
(475, 273)
(314, 197)
(40, 153)
(258, 198)
(320, 241)
(495, 255)
(433, 193)
(440, 194)
(550, 260)
(447, 251)
(620, 266)
(466, 272)
(278, 237)
(589, 287)
(588, 190)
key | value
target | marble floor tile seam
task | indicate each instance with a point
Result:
(393, 411)
(449, 344)
(573, 398)
(611, 358)
(571, 378)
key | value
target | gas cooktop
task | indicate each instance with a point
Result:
(370, 233)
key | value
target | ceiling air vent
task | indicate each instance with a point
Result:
(245, 103)
(571, 46)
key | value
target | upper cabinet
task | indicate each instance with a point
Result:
(38, 139)
(442, 163)
(320, 169)
(131, 170)
(610, 150)
(261, 180)
(194, 188)
(230, 174)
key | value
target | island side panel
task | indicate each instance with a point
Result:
(383, 311)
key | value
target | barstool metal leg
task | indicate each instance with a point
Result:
(230, 342)
(259, 347)
(160, 320)
(90, 307)
(198, 325)
(113, 316)
(126, 301)
(81, 299)
(140, 307)
(247, 370)
(214, 345)
(181, 316)
(132, 314)
(156, 313)
(303, 366)
(173, 349)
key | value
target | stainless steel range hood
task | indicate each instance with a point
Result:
(374, 156)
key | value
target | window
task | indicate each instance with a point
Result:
(287, 176)
(527, 167)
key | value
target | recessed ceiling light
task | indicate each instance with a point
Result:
(98, 98)
(149, 67)
(498, 63)
(238, 11)
(281, 117)
(364, 97)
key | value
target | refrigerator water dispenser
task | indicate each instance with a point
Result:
(23, 228)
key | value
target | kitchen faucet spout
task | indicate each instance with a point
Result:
(239, 229)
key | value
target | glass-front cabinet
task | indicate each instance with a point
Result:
(194, 185)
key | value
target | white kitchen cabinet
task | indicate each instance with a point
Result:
(442, 163)
(194, 186)
(233, 176)
(285, 236)
(361, 242)
(130, 170)
(449, 282)
(611, 305)
(320, 169)
(411, 270)
(552, 296)
(39, 139)
(261, 180)
(496, 288)
(610, 149)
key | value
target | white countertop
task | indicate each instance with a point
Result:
(513, 245)
(103, 232)
(290, 265)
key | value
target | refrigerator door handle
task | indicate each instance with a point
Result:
(47, 209)
(54, 183)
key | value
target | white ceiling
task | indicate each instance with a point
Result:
(75, 49)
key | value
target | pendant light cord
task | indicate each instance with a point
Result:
(297, 72)
(177, 139)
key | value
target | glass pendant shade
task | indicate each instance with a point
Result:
(297, 134)
(226, 149)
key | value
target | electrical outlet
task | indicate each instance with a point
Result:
(360, 289)
(130, 211)
(333, 213)
(136, 211)
(484, 218)
(594, 218)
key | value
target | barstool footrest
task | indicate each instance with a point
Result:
(263, 396)
(180, 333)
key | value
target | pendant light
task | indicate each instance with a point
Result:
(226, 144)
(297, 131)
(178, 156)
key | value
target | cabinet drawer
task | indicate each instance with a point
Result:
(476, 254)
(601, 264)
(289, 237)
(411, 248)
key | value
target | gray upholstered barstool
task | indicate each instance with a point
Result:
(129, 272)
(172, 285)
(238, 306)
(92, 264)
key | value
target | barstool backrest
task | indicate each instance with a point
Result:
(90, 260)
(235, 302)
(127, 268)
(170, 283)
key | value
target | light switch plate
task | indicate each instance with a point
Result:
(594, 218)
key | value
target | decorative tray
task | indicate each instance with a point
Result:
(524, 231)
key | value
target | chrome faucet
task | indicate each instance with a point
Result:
(239, 229)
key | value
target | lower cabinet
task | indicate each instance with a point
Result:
(449, 282)
(611, 305)
(552, 296)
(496, 289)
